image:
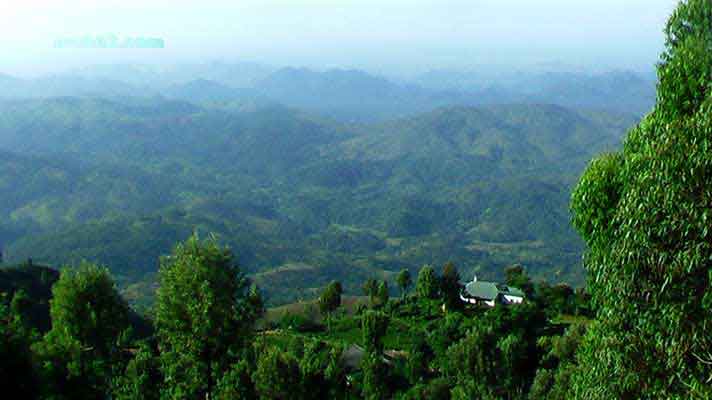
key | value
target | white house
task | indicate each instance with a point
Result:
(490, 293)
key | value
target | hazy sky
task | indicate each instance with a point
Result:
(381, 35)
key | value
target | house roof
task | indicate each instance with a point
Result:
(490, 290)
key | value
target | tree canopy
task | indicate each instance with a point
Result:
(204, 316)
(645, 215)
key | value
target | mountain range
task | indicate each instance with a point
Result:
(300, 198)
(348, 96)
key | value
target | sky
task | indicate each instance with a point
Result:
(388, 36)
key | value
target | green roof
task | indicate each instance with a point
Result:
(482, 290)
(490, 290)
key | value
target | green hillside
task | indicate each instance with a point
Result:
(119, 181)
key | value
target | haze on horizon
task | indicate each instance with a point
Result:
(396, 37)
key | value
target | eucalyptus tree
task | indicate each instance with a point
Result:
(646, 216)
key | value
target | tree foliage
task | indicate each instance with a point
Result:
(370, 289)
(82, 352)
(375, 377)
(142, 377)
(645, 216)
(516, 276)
(450, 285)
(18, 374)
(382, 294)
(411, 348)
(237, 383)
(427, 286)
(277, 376)
(404, 281)
(330, 299)
(373, 327)
(205, 314)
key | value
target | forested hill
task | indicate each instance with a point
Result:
(301, 200)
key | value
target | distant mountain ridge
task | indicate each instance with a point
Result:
(621, 91)
(347, 95)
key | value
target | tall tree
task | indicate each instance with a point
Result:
(374, 325)
(450, 286)
(205, 313)
(404, 281)
(645, 216)
(370, 288)
(382, 294)
(330, 300)
(427, 285)
(81, 354)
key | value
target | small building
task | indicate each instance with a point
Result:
(490, 293)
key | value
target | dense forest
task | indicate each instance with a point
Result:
(390, 325)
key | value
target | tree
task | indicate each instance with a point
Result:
(370, 288)
(330, 300)
(375, 374)
(374, 325)
(18, 376)
(237, 383)
(87, 306)
(444, 333)
(404, 281)
(205, 313)
(81, 354)
(450, 286)
(473, 359)
(382, 295)
(277, 376)
(553, 379)
(644, 214)
(427, 285)
(20, 309)
(323, 375)
(142, 377)
(516, 276)
(419, 358)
